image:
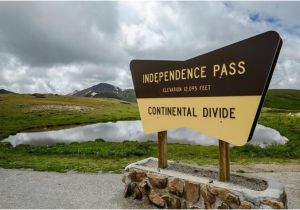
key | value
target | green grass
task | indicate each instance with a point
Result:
(16, 112)
(85, 157)
(105, 156)
(15, 116)
(283, 99)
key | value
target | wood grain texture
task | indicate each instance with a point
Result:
(162, 149)
(224, 167)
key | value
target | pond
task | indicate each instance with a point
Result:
(133, 131)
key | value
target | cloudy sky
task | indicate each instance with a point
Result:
(60, 47)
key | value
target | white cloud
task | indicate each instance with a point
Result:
(62, 46)
(140, 38)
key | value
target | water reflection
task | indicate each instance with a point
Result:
(132, 130)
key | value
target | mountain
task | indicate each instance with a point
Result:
(3, 91)
(276, 98)
(105, 90)
(73, 93)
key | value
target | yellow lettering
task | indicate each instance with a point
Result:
(203, 69)
(190, 73)
(166, 76)
(172, 75)
(242, 69)
(151, 78)
(224, 70)
(156, 77)
(232, 70)
(177, 75)
(183, 73)
(216, 69)
(161, 74)
(196, 75)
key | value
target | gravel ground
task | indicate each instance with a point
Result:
(31, 189)
(291, 182)
(253, 184)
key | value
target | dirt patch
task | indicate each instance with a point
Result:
(57, 108)
(256, 168)
(250, 183)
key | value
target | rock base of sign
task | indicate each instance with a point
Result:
(182, 186)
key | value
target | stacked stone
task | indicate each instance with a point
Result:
(175, 193)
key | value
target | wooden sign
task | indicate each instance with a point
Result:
(219, 93)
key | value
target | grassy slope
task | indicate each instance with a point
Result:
(108, 156)
(16, 116)
(281, 103)
(283, 99)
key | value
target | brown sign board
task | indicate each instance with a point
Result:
(219, 93)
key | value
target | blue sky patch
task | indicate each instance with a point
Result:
(256, 17)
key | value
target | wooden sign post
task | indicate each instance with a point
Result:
(162, 149)
(224, 167)
(220, 93)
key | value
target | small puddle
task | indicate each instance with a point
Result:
(133, 131)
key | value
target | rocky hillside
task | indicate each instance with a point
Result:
(104, 90)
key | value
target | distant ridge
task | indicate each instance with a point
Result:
(73, 93)
(105, 90)
(276, 98)
(3, 91)
(288, 99)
